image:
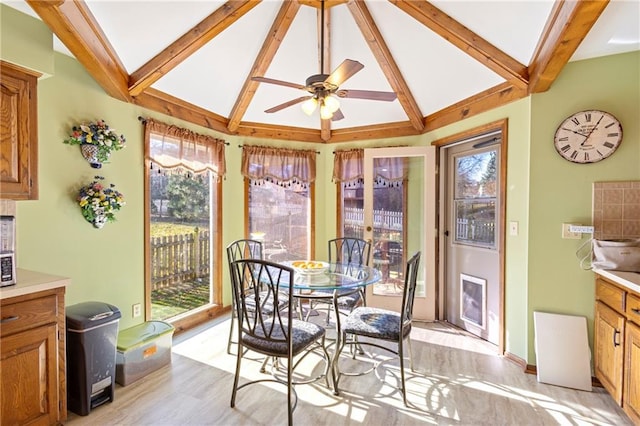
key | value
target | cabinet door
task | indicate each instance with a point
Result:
(18, 134)
(29, 377)
(631, 397)
(609, 349)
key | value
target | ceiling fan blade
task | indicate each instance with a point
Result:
(337, 115)
(288, 104)
(344, 71)
(278, 82)
(367, 94)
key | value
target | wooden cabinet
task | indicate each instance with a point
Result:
(617, 344)
(18, 133)
(632, 373)
(608, 360)
(32, 359)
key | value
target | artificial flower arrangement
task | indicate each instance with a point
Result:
(99, 203)
(100, 135)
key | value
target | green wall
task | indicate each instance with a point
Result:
(612, 84)
(542, 189)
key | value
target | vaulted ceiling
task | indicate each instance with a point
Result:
(445, 60)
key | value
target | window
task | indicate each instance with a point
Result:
(475, 199)
(279, 192)
(182, 217)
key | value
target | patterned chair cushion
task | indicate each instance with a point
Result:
(304, 333)
(347, 301)
(374, 322)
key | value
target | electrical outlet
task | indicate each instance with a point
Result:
(137, 310)
(567, 234)
(581, 229)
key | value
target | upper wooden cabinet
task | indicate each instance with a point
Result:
(18, 133)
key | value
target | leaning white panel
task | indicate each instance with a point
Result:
(562, 350)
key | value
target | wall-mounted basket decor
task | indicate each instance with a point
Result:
(99, 202)
(96, 141)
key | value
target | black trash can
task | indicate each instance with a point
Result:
(92, 335)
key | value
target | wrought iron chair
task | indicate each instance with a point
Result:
(345, 250)
(241, 249)
(385, 325)
(276, 333)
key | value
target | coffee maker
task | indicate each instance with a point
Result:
(7, 250)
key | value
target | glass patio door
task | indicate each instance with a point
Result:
(399, 219)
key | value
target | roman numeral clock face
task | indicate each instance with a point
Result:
(588, 136)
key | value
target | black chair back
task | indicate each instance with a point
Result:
(240, 249)
(349, 250)
(409, 293)
(257, 283)
(244, 249)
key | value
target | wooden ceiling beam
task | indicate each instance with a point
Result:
(189, 43)
(281, 25)
(568, 24)
(73, 23)
(328, 4)
(375, 131)
(379, 48)
(164, 103)
(324, 57)
(486, 100)
(466, 40)
(268, 131)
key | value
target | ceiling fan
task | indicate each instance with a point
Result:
(325, 89)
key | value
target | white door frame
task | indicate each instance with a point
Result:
(425, 309)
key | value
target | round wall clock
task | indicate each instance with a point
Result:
(588, 136)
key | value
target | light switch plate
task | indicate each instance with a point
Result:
(513, 228)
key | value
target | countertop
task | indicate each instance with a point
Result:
(631, 280)
(32, 281)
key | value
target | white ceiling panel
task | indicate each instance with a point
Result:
(212, 77)
(437, 73)
(139, 30)
(617, 31)
(513, 26)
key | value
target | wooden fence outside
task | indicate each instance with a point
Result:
(383, 219)
(179, 258)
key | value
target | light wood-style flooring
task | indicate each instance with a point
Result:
(459, 380)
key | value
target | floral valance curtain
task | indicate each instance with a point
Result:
(282, 166)
(172, 148)
(348, 168)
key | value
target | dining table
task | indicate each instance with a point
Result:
(331, 283)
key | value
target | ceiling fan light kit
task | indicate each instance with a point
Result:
(331, 103)
(309, 105)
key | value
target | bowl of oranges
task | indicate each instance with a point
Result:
(310, 267)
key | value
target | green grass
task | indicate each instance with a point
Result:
(171, 301)
(165, 229)
(179, 298)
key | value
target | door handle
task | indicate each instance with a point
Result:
(446, 233)
(369, 229)
(615, 341)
